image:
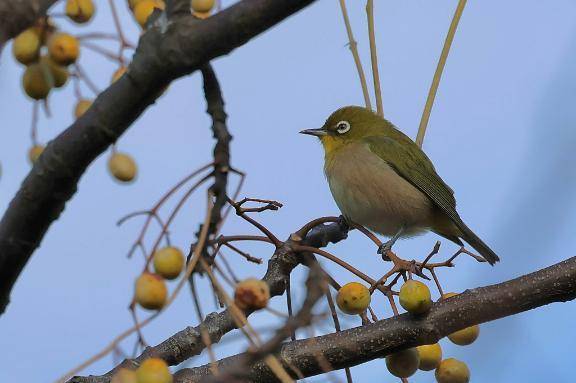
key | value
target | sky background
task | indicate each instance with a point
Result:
(501, 134)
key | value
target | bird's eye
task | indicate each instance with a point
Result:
(342, 127)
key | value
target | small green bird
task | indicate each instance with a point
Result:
(382, 180)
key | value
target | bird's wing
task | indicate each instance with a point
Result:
(412, 164)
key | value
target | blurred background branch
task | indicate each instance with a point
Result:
(17, 15)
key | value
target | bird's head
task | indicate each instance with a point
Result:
(348, 125)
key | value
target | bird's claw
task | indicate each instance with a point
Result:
(384, 248)
(343, 223)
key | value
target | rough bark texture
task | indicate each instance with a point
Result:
(17, 15)
(164, 53)
(359, 345)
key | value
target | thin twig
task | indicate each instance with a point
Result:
(374, 57)
(438, 73)
(104, 52)
(354, 49)
(34, 129)
(337, 327)
(118, 25)
(240, 211)
(190, 267)
(84, 77)
(248, 257)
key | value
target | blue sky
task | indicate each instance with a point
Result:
(501, 134)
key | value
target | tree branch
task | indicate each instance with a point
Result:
(188, 342)
(162, 55)
(17, 15)
(316, 287)
(220, 132)
(351, 347)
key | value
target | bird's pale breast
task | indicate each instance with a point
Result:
(368, 191)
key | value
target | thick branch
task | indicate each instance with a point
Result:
(17, 15)
(162, 55)
(188, 342)
(359, 345)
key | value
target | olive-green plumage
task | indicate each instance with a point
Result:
(382, 180)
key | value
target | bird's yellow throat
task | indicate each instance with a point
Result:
(331, 144)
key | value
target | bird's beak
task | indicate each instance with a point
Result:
(315, 132)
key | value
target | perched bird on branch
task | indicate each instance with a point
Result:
(382, 180)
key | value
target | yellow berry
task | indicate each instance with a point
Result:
(465, 336)
(353, 298)
(117, 74)
(452, 371)
(202, 6)
(80, 11)
(26, 46)
(151, 291)
(124, 375)
(37, 81)
(251, 294)
(81, 107)
(168, 262)
(202, 15)
(430, 356)
(153, 370)
(122, 167)
(34, 153)
(403, 363)
(415, 297)
(59, 72)
(63, 48)
(144, 9)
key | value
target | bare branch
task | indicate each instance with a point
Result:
(354, 49)
(438, 72)
(358, 345)
(374, 57)
(188, 342)
(316, 287)
(161, 56)
(215, 108)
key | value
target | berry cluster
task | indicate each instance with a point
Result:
(51, 57)
(354, 298)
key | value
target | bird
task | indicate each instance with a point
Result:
(382, 180)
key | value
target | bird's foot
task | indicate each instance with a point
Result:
(384, 248)
(343, 223)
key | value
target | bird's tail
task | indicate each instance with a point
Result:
(479, 245)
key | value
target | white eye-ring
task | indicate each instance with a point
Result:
(342, 127)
